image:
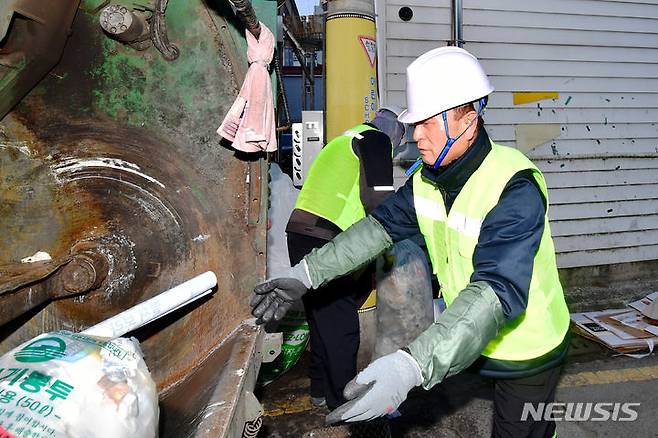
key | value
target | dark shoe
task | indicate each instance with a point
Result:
(318, 402)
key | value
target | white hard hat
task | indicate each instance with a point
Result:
(441, 79)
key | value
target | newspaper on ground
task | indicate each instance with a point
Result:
(624, 330)
(637, 321)
(641, 305)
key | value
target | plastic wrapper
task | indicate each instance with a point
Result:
(295, 337)
(64, 384)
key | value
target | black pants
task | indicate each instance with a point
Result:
(509, 398)
(333, 323)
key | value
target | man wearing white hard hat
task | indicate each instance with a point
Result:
(351, 175)
(482, 209)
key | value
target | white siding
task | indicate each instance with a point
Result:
(400, 42)
(602, 59)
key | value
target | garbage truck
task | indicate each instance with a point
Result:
(115, 187)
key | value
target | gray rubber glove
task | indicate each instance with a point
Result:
(379, 389)
(273, 298)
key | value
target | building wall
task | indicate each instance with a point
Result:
(400, 42)
(601, 165)
(593, 131)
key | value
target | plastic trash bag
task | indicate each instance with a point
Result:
(404, 297)
(65, 384)
(294, 329)
(293, 326)
(283, 196)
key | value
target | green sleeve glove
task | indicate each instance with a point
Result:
(460, 335)
(353, 248)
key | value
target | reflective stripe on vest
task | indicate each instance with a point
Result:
(451, 241)
(331, 189)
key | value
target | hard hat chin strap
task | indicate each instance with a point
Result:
(482, 103)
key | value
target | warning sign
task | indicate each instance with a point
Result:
(370, 46)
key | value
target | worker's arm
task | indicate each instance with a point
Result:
(350, 250)
(376, 168)
(459, 335)
(394, 220)
(353, 248)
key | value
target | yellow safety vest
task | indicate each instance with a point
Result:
(451, 241)
(331, 189)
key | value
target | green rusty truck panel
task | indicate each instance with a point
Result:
(116, 149)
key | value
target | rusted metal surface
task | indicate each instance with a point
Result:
(32, 37)
(21, 274)
(26, 286)
(84, 272)
(117, 149)
(124, 25)
(208, 398)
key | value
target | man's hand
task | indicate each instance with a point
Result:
(379, 389)
(272, 298)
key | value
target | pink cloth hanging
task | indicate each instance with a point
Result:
(249, 123)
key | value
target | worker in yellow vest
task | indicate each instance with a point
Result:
(351, 176)
(483, 211)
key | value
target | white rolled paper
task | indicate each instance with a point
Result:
(154, 308)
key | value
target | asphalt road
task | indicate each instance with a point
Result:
(623, 387)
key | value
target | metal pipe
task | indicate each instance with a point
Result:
(312, 81)
(457, 23)
(297, 49)
(156, 307)
(284, 98)
(302, 83)
(30, 286)
(246, 13)
(351, 94)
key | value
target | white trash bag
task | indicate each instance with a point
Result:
(65, 384)
(283, 196)
(93, 384)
